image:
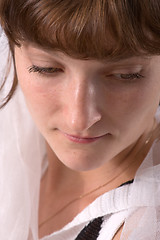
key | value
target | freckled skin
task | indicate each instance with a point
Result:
(87, 99)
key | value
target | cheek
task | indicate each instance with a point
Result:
(132, 107)
(124, 101)
(41, 100)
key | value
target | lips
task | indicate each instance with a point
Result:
(78, 139)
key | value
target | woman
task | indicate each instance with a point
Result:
(89, 73)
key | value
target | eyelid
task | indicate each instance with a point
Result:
(44, 70)
(129, 75)
(128, 78)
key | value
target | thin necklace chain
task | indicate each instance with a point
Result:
(85, 194)
(76, 199)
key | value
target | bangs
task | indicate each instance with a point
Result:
(96, 29)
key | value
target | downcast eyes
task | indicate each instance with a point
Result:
(119, 76)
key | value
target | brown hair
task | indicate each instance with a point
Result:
(85, 29)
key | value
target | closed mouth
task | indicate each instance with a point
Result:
(80, 139)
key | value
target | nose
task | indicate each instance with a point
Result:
(82, 106)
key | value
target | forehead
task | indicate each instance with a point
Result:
(34, 51)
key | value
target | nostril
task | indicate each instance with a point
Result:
(81, 121)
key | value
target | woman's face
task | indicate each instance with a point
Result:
(88, 111)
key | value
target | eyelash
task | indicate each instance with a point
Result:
(129, 76)
(43, 70)
(50, 70)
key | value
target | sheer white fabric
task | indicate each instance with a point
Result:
(22, 150)
(143, 222)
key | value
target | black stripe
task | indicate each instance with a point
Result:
(91, 231)
(128, 182)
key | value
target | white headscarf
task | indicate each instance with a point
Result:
(22, 151)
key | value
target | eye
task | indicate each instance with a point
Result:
(44, 70)
(129, 76)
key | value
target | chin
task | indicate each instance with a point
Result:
(81, 157)
(79, 162)
(80, 167)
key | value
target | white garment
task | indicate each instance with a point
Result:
(113, 205)
(22, 151)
